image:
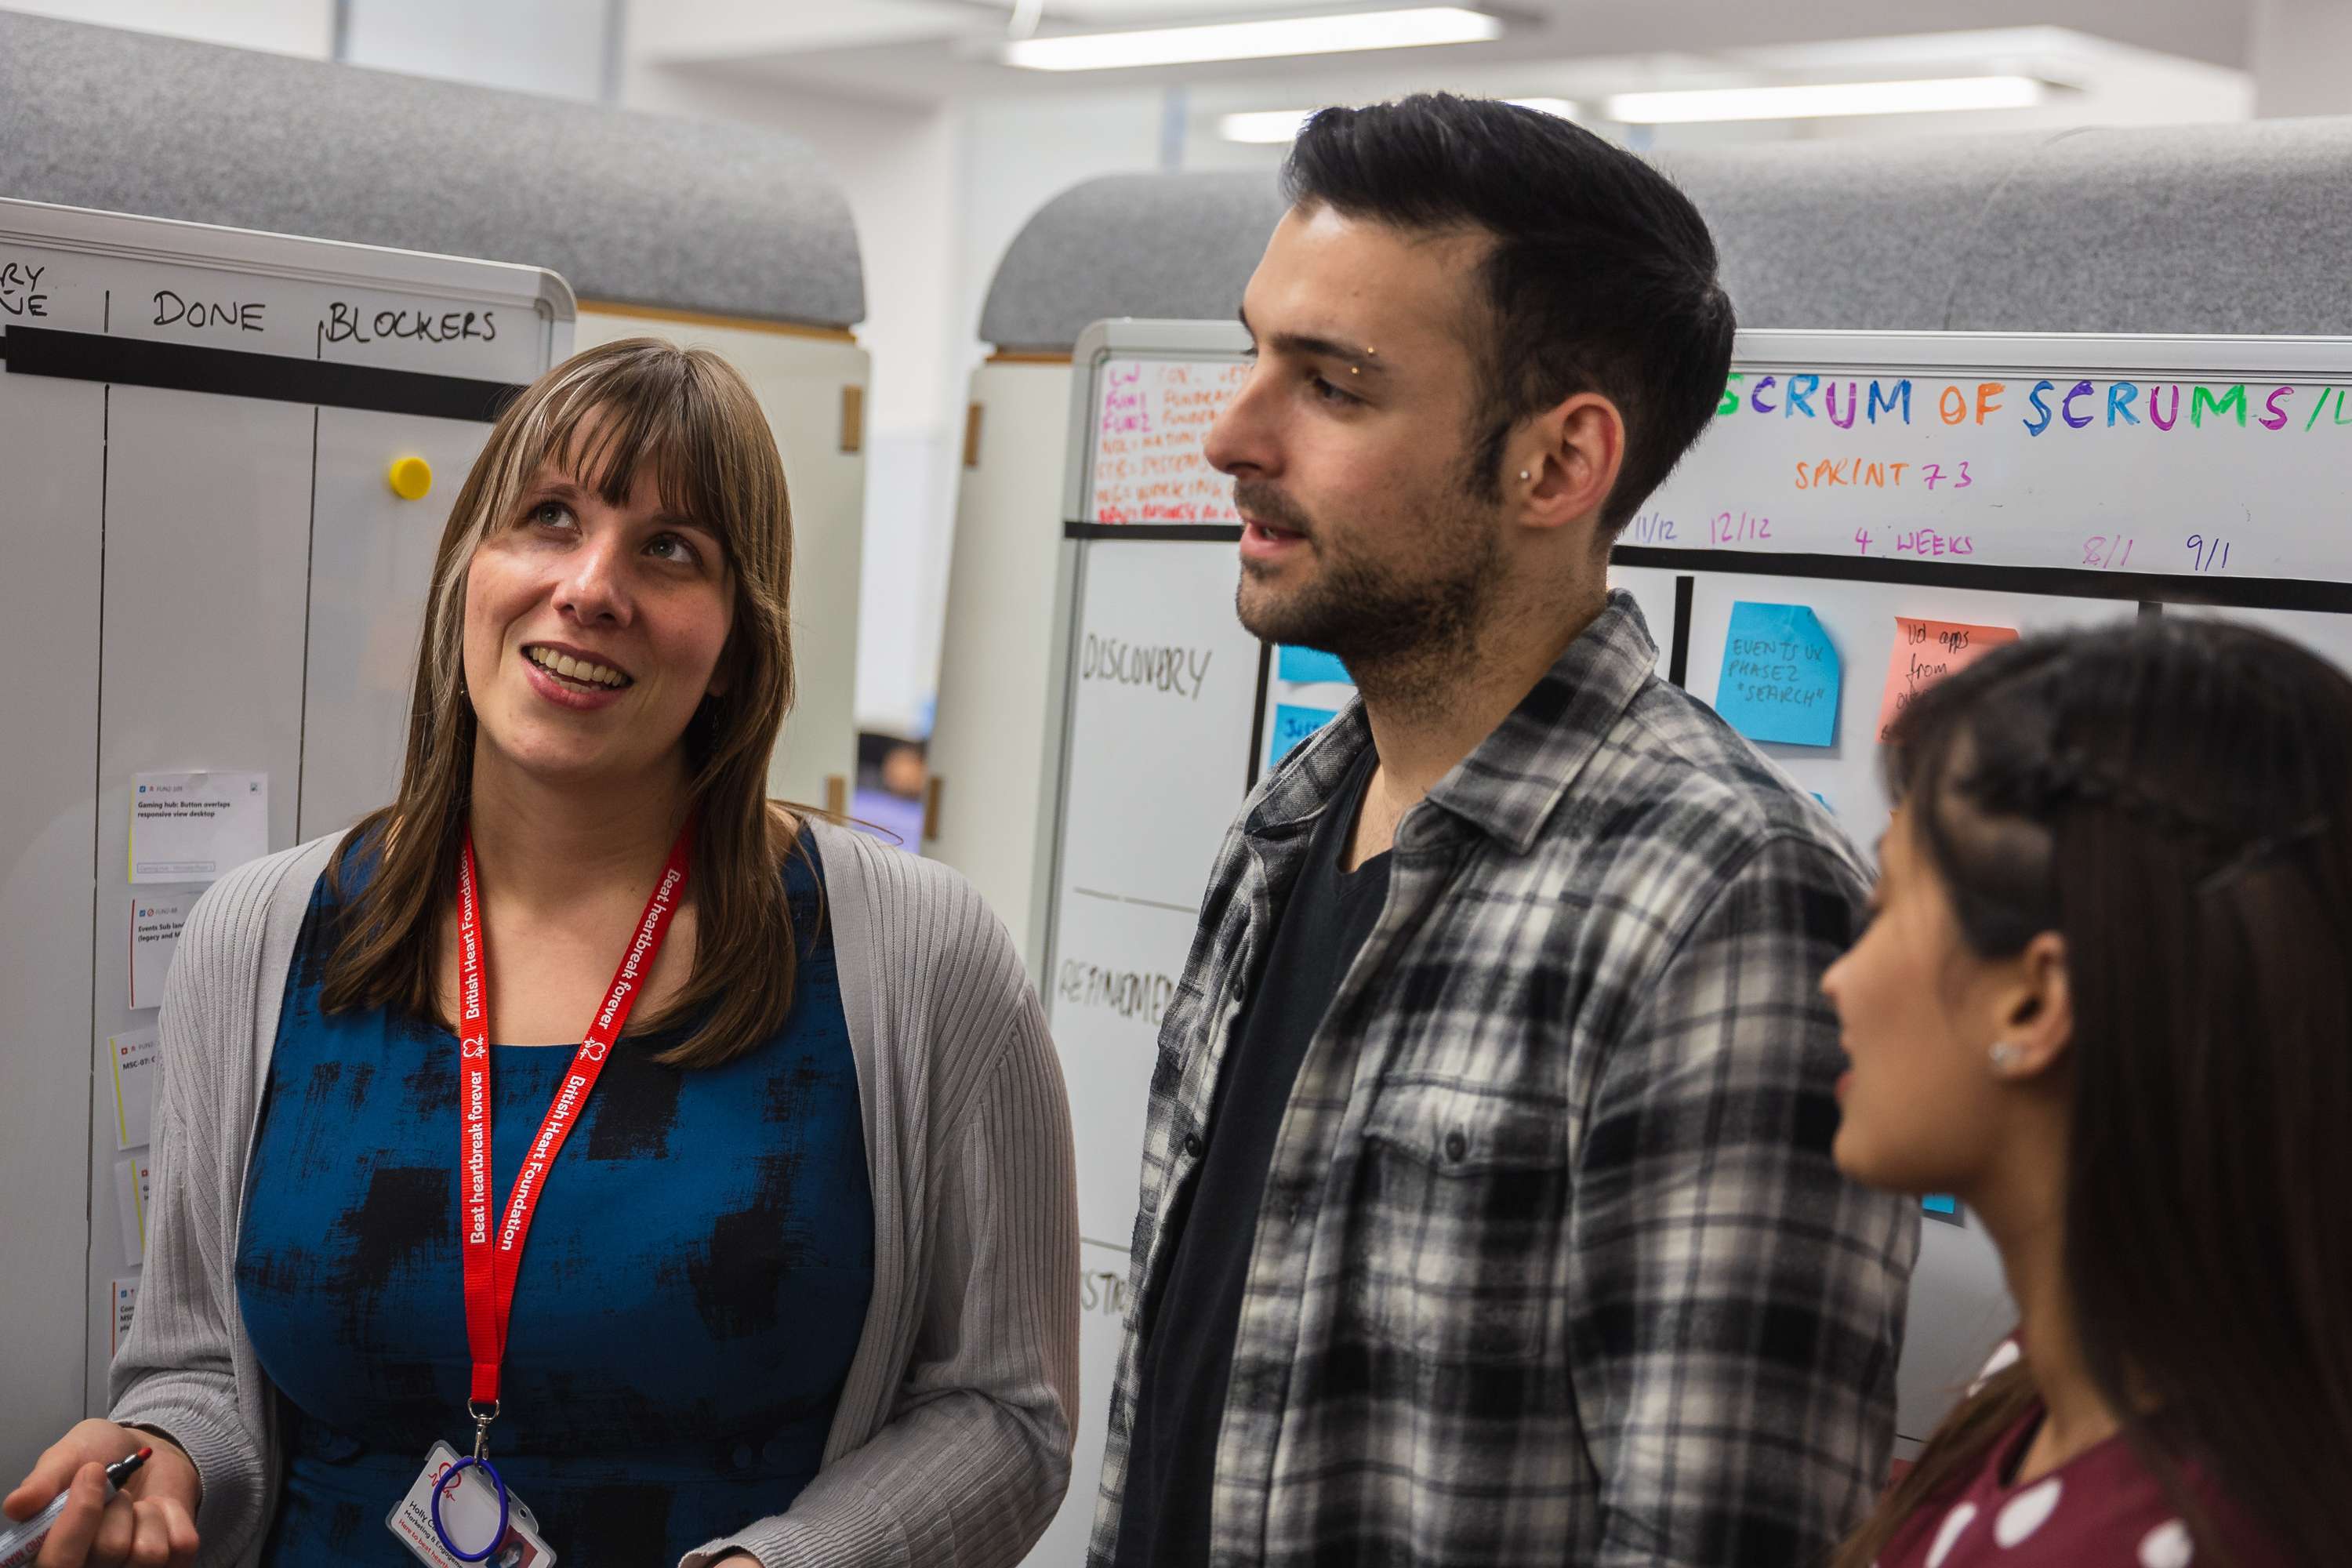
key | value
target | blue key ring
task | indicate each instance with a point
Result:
(449, 1476)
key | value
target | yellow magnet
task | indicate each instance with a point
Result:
(410, 478)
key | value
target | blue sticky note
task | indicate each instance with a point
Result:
(1780, 675)
(1293, 725)
(1939, 1205)
(1311, 663)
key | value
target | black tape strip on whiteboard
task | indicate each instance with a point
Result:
(2147, 587)
(1678, 649)
(1145, 532)
(238, 373)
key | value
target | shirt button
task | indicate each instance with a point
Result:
(742, 1456)
(1456, 1145)
(1193, 1146)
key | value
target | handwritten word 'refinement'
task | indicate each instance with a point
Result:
(1169, 667)
(1129, 992)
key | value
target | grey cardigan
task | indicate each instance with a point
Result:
(952, 1439)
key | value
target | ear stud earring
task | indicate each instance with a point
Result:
(1523, 476)
(2004, 1057)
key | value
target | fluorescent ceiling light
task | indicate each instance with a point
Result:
(1276, 125)
(1826, 99)
(1255, 40)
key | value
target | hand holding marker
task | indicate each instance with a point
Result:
(80, 1507)
(20, 1544)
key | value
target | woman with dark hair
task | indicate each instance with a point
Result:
(2106, 999)
(803, 1287)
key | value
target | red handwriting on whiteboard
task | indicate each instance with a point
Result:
(1151, 422)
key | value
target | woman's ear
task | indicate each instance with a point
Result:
(2037, 1011)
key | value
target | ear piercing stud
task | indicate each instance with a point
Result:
(2004, 1057)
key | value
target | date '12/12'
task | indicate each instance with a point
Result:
(1737, 528)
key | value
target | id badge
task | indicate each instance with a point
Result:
(469, 1511)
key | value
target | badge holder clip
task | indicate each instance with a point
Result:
(479, 1460)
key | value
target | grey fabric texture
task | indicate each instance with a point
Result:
(1177, 247)
(2229, 228)
(2203, 229)
(951, 1443)
(641, 208)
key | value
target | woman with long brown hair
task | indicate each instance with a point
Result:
(771, 1258)
(2106, 999)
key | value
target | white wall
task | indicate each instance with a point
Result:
(552, 47)
(900, 166)
(2298, 56)
(281, 26)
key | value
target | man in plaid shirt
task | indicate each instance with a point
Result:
(1488, 1213)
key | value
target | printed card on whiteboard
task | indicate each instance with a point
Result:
(125, 1294)
(131, 1193)
(193, 827)
(1925, 652)
(155, 922)
(134, 1060)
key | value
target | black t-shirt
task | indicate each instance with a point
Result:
(1180, 1394)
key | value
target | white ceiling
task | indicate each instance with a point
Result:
(920, 51)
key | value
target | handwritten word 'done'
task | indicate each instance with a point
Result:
(1157, 667)
(174, 310)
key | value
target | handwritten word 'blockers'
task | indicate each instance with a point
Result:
(1780, 675)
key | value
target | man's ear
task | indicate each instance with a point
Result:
(2036, 1011)
(1565, 462)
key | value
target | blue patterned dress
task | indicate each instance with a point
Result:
(690, 1297)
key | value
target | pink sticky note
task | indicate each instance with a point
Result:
(1925, 652)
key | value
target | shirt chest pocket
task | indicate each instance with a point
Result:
(1464, 1194)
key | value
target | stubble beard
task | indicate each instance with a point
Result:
(1409, 635)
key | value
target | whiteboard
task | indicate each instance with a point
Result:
(2028, 524)
(2209, 458)
(210, 571)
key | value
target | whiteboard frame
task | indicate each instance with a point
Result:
(1208, 341)
(333, 262)
(1959, 1256)
(2304, 358)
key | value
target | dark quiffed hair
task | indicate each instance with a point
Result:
(1601, 277)
(2175, 799)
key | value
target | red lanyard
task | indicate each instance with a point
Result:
(491, 1260)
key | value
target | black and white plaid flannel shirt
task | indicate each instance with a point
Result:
(1553, 1266)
